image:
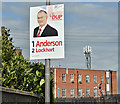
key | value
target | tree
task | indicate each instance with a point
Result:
(0, 59)
(0, 51)
(19, 73)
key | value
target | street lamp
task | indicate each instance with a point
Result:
(99, 89)
(87, 50)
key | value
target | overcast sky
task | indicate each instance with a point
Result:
(86, 23)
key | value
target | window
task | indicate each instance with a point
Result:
(72, 92)
(87, 78)
(79, 92)
(63, 77)
(63, 92)
(108, 92)
(80, 78)
(107, 80)
(95, 79)
(102, 79)
(95, 92)
(87, 92)
(72, 77)
(58, 93)
(102, 92)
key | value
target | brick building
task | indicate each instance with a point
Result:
(75, 83)
(18, 50)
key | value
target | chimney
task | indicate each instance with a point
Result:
(2, 30)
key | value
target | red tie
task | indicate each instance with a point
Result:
(38, 35)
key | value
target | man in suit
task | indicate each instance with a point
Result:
(44, 30)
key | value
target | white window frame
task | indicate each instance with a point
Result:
(72, 92)
(87, 92)
(63, 77)
(107, 92)
(80, 92)
(95, 78)
(95, 92)
(107, 80)
(71, 77)
(63, 92)
(102, 79)
(87, 78)
(102, 91)
(79, 78)
(58, 93)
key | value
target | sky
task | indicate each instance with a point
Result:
(86, 23)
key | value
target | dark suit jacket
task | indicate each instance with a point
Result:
(48, 31)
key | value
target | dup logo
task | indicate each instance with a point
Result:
(57, 13)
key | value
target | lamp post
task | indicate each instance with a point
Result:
(99, 89)
(87, 50)
(47, 75)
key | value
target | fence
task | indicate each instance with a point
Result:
(13, 96)
(111, 99)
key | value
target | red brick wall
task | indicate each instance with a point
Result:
(18, 51)
(68, 85)
(91, 84)
(114, 82)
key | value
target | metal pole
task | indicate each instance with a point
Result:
(87, 52)
(47, 75)
(77, 83)
(47, 2)
(111, 81)
(90, 61)
(47, 81)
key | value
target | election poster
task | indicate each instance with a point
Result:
(47, 32)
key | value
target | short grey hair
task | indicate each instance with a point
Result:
(42, 11)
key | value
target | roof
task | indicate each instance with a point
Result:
(88, 69)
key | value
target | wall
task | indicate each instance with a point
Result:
(13, 96)
(114, 82)
(68, 85)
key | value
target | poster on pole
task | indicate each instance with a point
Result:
(47, 32)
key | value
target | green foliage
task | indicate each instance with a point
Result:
(0, 42)
(19, 73)
(0, 58)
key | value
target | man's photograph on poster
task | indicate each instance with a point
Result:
(44, 29)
